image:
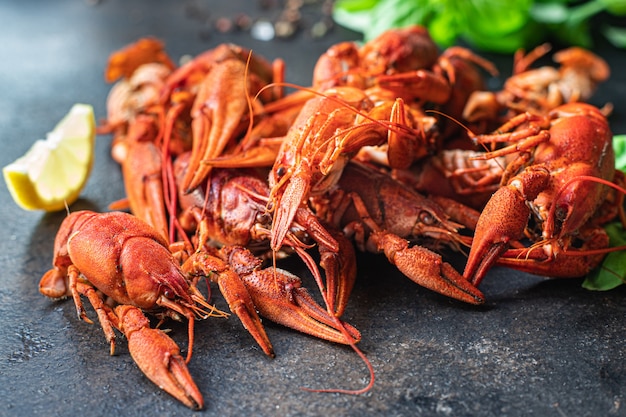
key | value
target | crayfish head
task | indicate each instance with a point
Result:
(286, 197)
(399, 50)
(574, 203)
(156, 280)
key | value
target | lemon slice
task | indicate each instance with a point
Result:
(54, 171)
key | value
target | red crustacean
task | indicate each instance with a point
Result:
(121, 257)
(157, 111)
(274, 293)
(540, 89)
(221, 82)
(384, 215)
(330, 129)
(559, 182)
(232, 211)
(224, 176)
(396, 51)
(406, 63)
(404, 60)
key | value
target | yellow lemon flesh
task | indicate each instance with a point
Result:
(54, 171)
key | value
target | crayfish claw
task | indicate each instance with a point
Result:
(158, 357)
(240, 303)
(426, 268)
(226, 272)
(279, 297)
(502, 221)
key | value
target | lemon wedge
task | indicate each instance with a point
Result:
(54, 171)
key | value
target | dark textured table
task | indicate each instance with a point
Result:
(537, 347)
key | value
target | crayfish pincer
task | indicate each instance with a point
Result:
(123, 258)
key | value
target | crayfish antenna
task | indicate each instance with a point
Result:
(209, 310)
(351, 341)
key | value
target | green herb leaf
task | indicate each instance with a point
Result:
(616, 7)
(495, 17)
(350, 6)
(490, 25)
(444, 29)
(619, 146)
(612, 272)
(530, 34)
(615, 35)
(396, 14)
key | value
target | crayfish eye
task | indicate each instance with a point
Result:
(426, 218)
(168, 293)
(263, 218)
(281, 171)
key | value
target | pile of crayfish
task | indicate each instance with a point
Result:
(395, 148)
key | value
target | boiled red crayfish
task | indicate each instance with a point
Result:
(200, 106)
(116, 256)
(540, 89)
(329, 130)
(232, 213)
(405, 60)
(552, 193)
(220, 83)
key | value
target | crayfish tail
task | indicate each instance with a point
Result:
(53, 284)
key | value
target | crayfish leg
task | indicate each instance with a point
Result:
(232, 288)
(102, 310)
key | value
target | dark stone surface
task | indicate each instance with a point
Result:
(538, 347)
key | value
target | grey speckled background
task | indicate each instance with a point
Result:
(538, 347)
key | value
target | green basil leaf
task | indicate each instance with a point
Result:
(612, 272)
(616, 7)
(396, 14)
(529, 35)
(444, 29)
(491, 18)
(605, 277)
